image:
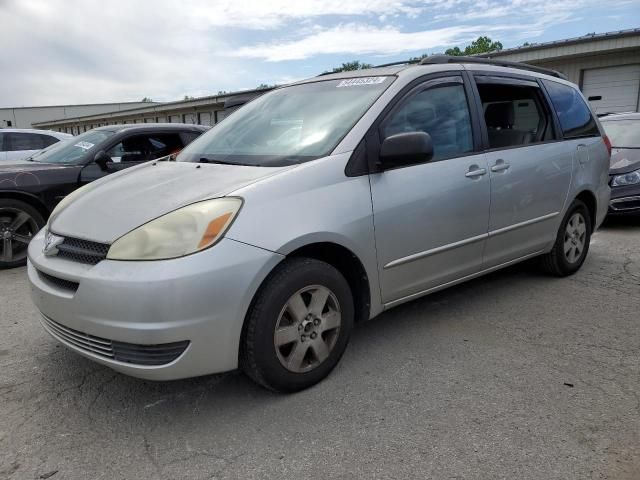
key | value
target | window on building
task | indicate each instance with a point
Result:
(575, 117)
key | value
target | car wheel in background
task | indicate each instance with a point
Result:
(572, 242)
(298, 326)
(19, 222)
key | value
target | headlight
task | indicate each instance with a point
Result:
(181, 232)
(631, 178)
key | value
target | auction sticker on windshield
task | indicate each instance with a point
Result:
(84, 145)
(358, 82)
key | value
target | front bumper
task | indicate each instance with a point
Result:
(625, 200)
(152, 306)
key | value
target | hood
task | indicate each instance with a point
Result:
(119, 203)
(19, 166)
(624, 160)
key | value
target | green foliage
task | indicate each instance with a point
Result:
(264, 86)
(481, 45)
(351, 66)
(188, 97)
(146, 100)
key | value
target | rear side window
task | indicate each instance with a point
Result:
(574, 115)
(47, 140)
(23, 141)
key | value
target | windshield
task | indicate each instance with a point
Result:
(623, 133)
(289, 125)
(72, 150)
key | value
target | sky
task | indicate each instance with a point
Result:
(90, 51)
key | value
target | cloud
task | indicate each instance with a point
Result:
(362, 39)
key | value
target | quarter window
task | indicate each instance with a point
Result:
(443, 113)
(574, 114)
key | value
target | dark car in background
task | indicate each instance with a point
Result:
(623, 131)
(30, 190)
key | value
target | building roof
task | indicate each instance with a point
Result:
(565, 42)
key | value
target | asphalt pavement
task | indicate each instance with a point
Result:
(516, 375)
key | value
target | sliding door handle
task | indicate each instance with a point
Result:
(500, 166)
(475, 171)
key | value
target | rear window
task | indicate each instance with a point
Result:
(575, 117)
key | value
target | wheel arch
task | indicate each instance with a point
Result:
(589, 199)
(28, 198)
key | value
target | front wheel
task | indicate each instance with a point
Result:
(298, 326)
(19, 222)
(572, 242)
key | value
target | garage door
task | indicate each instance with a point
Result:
(617, 87)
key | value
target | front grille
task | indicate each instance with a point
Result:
(83, 251)
(58, 282)
(122, 352)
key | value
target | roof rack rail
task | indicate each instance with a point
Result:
(439, 59)
(401, 62)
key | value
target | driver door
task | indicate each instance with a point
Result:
(431, 219)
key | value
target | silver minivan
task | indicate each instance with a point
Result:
(318, 205)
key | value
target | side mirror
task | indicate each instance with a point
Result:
(404, 149)
(103, 160)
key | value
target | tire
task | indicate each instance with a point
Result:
(19, 221)
(576, 222)
(290, 361)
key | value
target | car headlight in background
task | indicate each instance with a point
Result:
(631, 178)
(176, 234)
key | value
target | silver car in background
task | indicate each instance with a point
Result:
(19, 143)
(318, 205)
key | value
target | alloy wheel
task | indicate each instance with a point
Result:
(307, 329)
(575, 237)
(17, 228)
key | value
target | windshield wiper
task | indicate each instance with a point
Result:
(222, 162)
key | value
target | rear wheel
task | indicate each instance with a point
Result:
(19, 222)
(298, 326)
(572, 242)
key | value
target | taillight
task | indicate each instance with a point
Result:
(607, 142)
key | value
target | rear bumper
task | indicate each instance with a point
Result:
(186, 313)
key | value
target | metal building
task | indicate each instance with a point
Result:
(203, 111)
(606, 66)
(27, 117)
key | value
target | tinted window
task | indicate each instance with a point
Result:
(623, 133)
(443, 113)
(289, 125)
(141, 148)
(2, 142)
(515, 115)
(47, 140)
(23, 141)
(188, 137)
(574, 115)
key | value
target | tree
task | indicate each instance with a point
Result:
(481, 45)
(264, 86)
(188, 97)
(146, 100)
(351, 66)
